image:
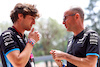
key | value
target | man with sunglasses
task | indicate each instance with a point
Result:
(83, 47)
(15, 48)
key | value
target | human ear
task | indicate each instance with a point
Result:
(20, 16)
(77, 15)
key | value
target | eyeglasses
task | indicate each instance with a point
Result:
(67, 16)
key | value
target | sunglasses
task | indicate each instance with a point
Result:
(67, 16)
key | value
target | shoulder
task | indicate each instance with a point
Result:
(91, 33)
(7, 37)
(6, 33)
(93, 37)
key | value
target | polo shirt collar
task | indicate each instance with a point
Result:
(15, 30)
(80, 35)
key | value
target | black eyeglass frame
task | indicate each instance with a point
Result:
(66, 16)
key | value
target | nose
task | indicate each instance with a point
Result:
(33, 21)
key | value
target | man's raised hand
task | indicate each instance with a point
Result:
(34, 35)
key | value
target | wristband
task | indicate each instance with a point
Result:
(31, 41)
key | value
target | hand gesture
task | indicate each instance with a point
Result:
(57, 55)
(58, 62)
(34, 35)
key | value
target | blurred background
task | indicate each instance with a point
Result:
(53, 33)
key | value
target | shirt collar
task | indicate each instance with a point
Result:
(80, 35)
(15, 30)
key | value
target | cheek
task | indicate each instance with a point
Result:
(67, 22)
(25, 23)
(28, 22)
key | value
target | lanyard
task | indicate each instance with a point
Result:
(18, 32)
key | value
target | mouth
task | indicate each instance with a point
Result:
(31, 25)
(65, 25)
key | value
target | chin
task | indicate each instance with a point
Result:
(68, 30)
(28, 29)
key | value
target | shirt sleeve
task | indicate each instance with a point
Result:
(93, 44)
(9, 43)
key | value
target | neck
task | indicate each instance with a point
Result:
(19, 28)
(78, 28)
(77, 31)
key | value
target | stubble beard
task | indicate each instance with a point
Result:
(28, 28)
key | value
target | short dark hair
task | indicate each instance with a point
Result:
(78, 10)
(25, 9)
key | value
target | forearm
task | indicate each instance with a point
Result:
(88, 61)
(80, 62)
(25, 54)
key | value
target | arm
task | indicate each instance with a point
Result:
(18, 59)
(89, 61)
(58, 62)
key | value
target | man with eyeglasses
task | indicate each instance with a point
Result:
(83, 47)
(15, 48)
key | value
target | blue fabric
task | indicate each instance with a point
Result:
(7, 61)
(92, 54)
(63, 65)
(12, 50)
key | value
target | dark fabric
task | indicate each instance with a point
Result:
(82, 45)
(11, 40)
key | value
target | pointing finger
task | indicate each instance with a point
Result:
(32, 30)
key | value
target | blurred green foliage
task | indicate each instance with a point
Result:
(93, 14)
(52, 36)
